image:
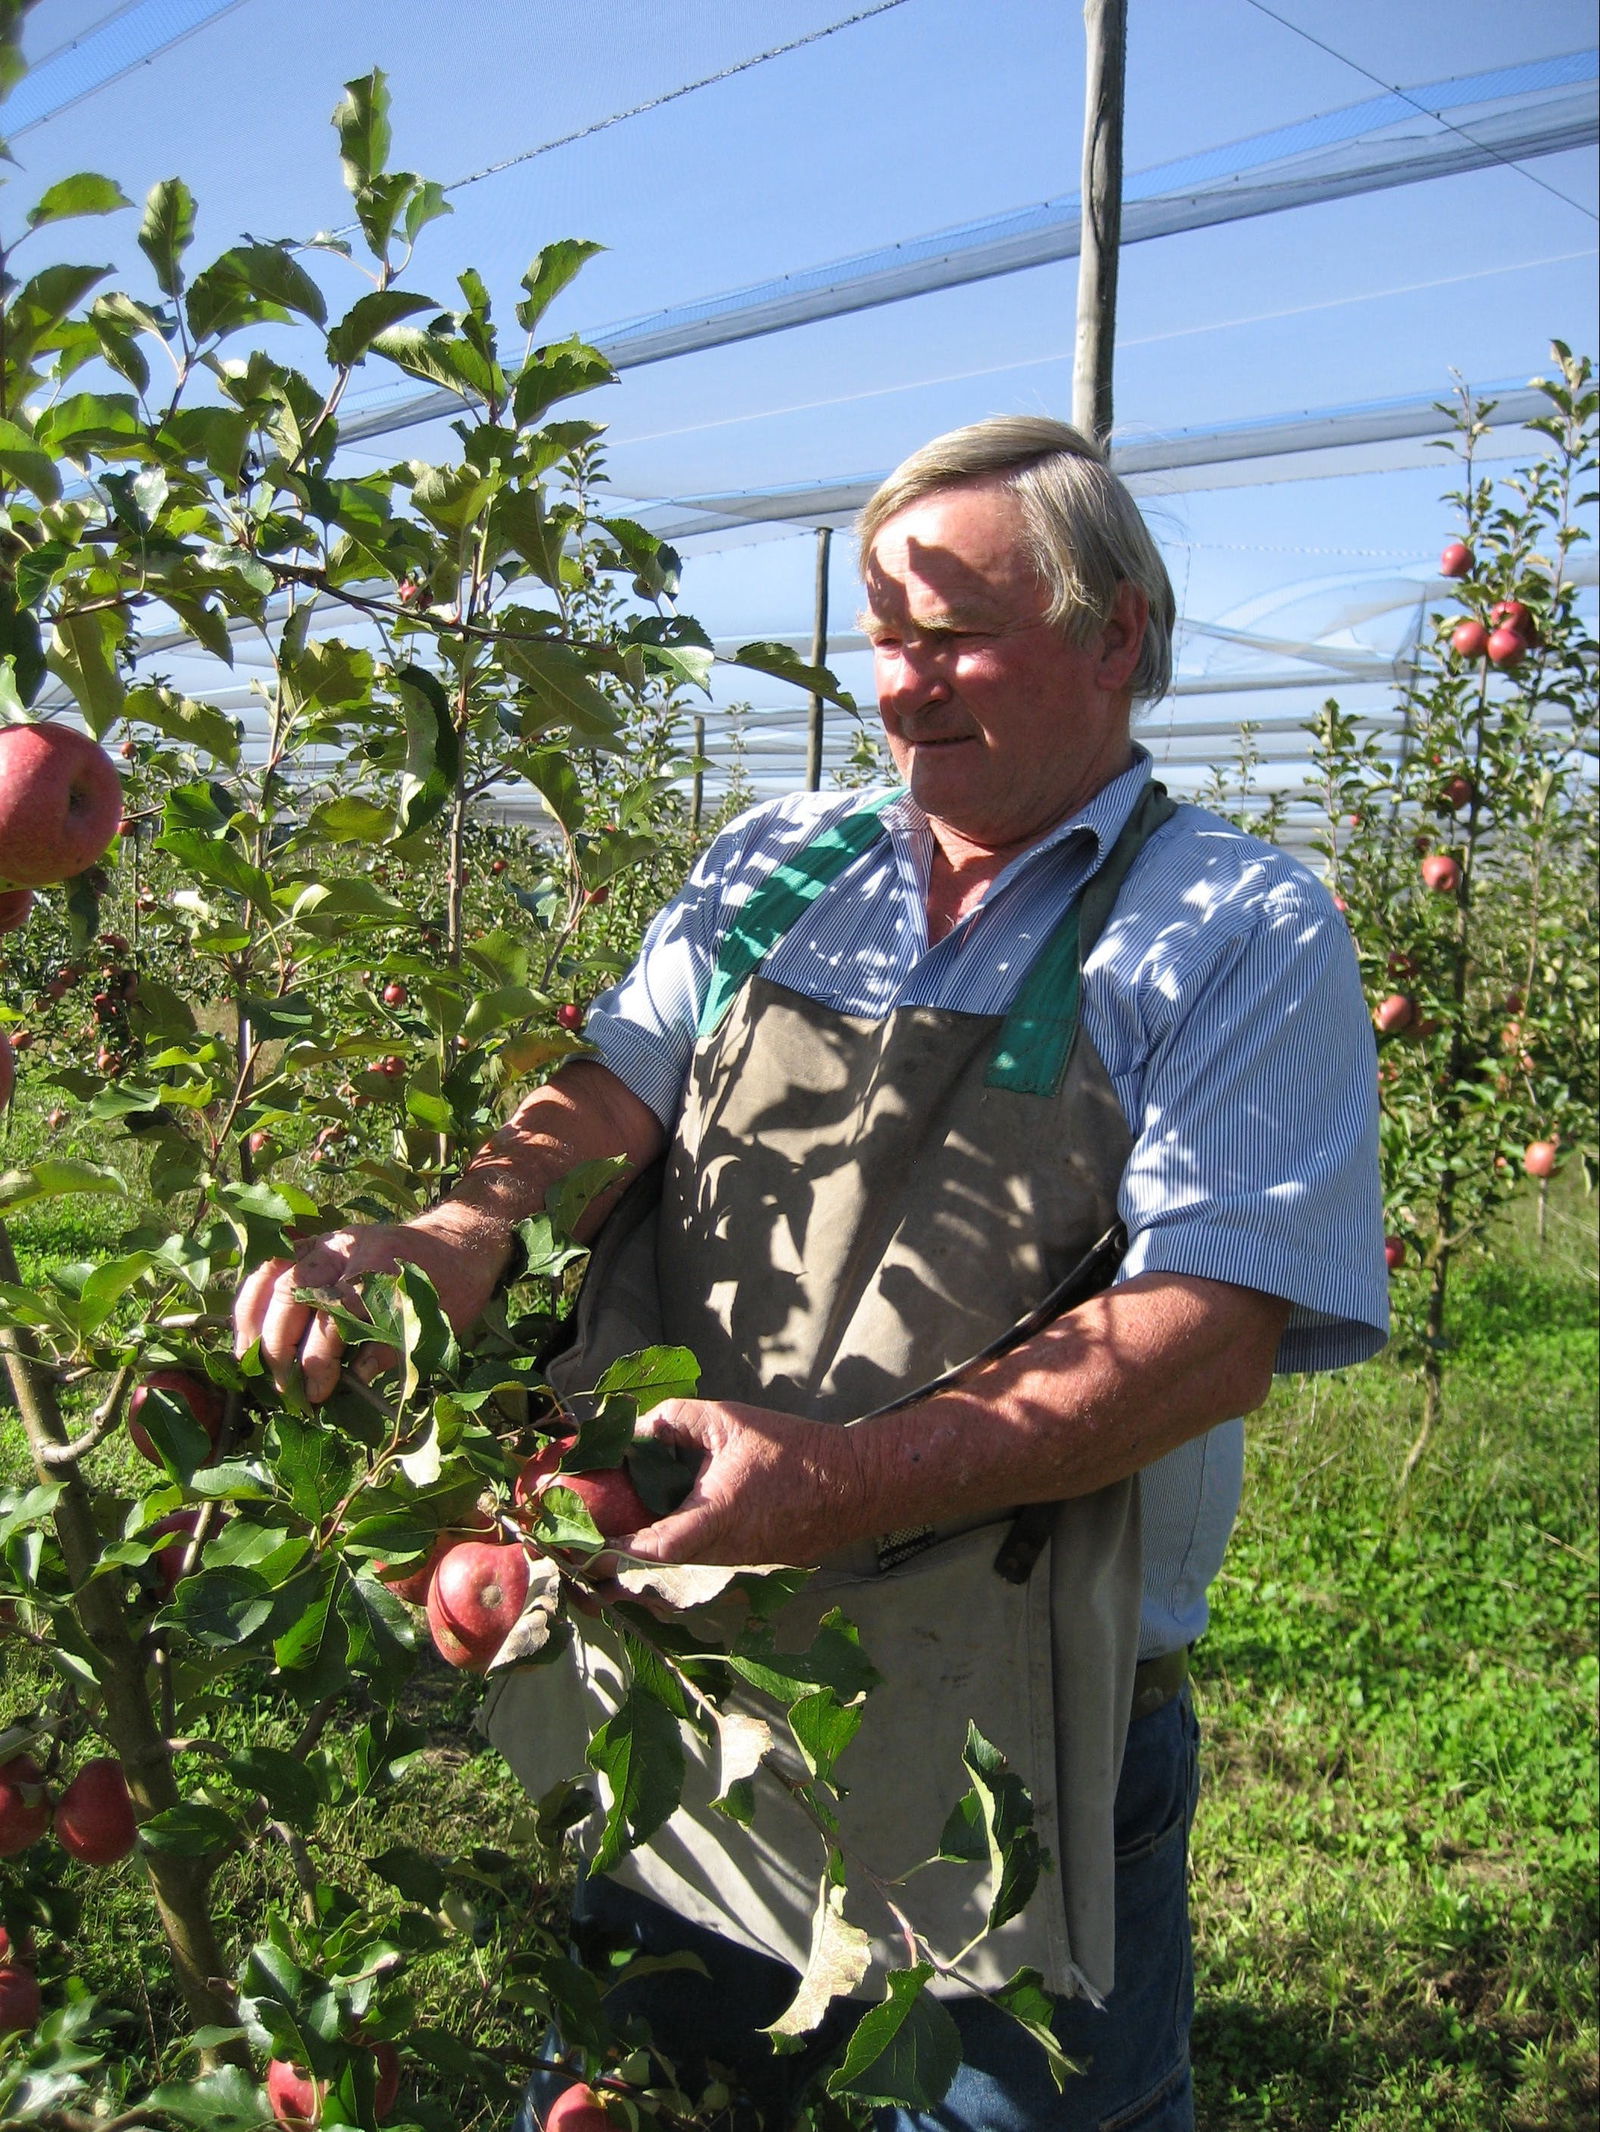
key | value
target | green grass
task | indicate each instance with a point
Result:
(1396, 1849)
(1395, 1853)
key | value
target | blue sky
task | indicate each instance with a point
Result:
(931, 113)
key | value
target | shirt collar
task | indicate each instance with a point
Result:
(1102, 819)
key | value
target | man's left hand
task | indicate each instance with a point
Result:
(771, 1487)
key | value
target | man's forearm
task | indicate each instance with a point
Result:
(1102, 1393)
(582, 1114)
(1091, 1399)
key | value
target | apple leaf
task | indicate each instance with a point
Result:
(823, 1728)
(999, 1805)
(433, 750)
(787, 665)
(840, 1956)
(550, 273)
(224, 2100)
(1025, 1999)
(905, 2051)
(84, 193)
(639, 1752)
(53, 1177)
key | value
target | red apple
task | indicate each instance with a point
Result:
(1441, 874)
(1394, 1253)
(412, 1584)
(392, 1068)
(1395, 1013)
(569, 1016)
(60, 803)
(19, 1998)
(295, 2098)
(395, 994)
(1402, 965)
(477, 1593)
(24, 1807)
(1539, 1158)
(597, 896)
(94, 1815)
(15, 904)
(1469, 639)
(497, 866)
(169, 1560)
(1517, 615)
(577, 2109)
(1458, 792)
(1507, 648)
(609, 1496)
(202, 1399)
(1456, 561)
(8, 1069)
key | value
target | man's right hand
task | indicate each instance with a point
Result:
(464, 1243)
(461, 1252)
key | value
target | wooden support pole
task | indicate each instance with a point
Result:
(819, 657)
(698, 790)
(1105, 25)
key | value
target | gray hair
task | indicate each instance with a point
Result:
(1084, 531)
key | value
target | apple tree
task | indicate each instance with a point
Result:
(320, 978)
(1466, 863)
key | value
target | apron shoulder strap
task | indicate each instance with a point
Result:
(1035, 1041)
(782, 897)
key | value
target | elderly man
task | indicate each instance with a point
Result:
(917, 1065)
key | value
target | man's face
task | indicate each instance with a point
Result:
(998, 725)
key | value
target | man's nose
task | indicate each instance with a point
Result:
(916, 676)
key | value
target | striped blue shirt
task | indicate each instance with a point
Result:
(1225, 1002)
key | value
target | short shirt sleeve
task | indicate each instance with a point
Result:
(1255, 1107)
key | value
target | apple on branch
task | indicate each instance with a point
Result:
(94, 1815)
(198, 1394)
(60, 803)
(476, 1596)
(24, 1805)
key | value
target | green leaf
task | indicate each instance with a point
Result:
(557, 373)
(312, 1465)
(823, 1728)
(53, 1177)
(167, 232)
(563, 691)
(1025, 1999)
(190, 1830)
(380, 1638)
(249, 285)
(639, 1751)
(834, 1660)
(109, 1281)
(786, 665)
(433, 751)
(21, 458)
(84, 193)
(191, 724)
(652, 1375)
(290, 1789)
(362, 123)
(369, 316)
(438, 358)
(350, 820)
(223, 2100)
(222, 1608)
(905, 2051)
(82, 653)
(550, 273)
(1005, 1811)
(417, 1877)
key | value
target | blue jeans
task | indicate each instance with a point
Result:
(1135, 2053)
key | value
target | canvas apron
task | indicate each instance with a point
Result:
(850, 1207)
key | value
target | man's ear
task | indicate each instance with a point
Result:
(1122, 637)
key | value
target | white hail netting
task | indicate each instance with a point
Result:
(701, 151)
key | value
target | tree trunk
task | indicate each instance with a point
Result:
(179, 1884)
(1106, 33)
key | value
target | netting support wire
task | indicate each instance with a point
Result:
(819, 657)
(1105, 24)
